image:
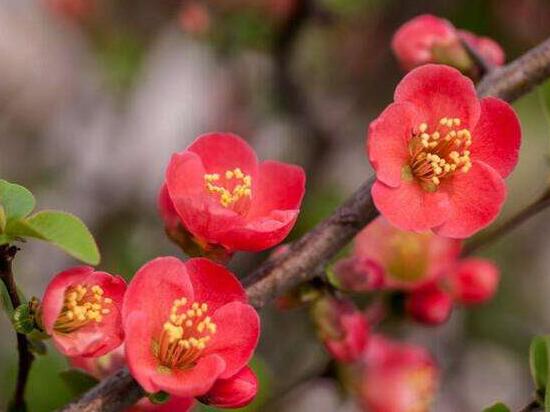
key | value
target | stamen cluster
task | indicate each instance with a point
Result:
(439, 154)
(228, 197)
(184, 335)
(82, 304)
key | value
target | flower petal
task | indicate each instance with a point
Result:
(409, 207)
(205, 273)
(497, 136)
(387, 142)
(439, 91)
(220, 152)
(192, 382)
(201, 213)
(476, 198)
(154, 288)
(236, 337)
(413, 41)
(279, 186)
(262, 232)
(139, 355)
(54, 295)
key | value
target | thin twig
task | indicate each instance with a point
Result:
(534, 406)
(7, 253)
(482, 64)
(281, 273)
(484, 240)
(520, 76)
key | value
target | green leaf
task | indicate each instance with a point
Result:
(16, 200)
(5, 298)
(66, 231)
(497, 407)
(539, 361)
(158, 398)
(78, 381)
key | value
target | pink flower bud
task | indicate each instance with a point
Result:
(397, 377)
(429, 305)
(235, 392)
(474, 281)
(194, 18)
(355, 274)
(342, 328)
(430, 39)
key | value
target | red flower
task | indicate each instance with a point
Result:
(235, 392)
(473, 281)
(440, 154)
(225, 197)
(396, 259)
(81, 310)
(430, 39)
(430, 305)
(187, 325)
(397, 377)
(342, 328)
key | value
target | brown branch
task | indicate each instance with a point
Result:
(115, 393)
(533, 406)
(516, 79)
(484, 240)
(280, 274)
(483, 65)
(7, 253)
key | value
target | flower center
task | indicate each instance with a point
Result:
(408, 259)
(82, 304)
(184, 335)
(422, 382)
(231, 186)
(438, 155)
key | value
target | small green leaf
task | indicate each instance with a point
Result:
(5, 298)
(16, 200)
(158, 398)
(23, 319)
(539, 361)
(66, 231)
(78, 381)
(3, 218)
(497, 407)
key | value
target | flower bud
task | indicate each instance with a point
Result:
(357, 274)
(342, 328)
(397, 377)
(474, 281)
(429, 305)
(235, 392)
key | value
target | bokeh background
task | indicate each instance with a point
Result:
(95, 95)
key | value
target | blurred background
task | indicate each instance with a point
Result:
(95, 95)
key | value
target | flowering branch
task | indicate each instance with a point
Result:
(537, 206)
(300, 263)
(513, 80)
(7, 253)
